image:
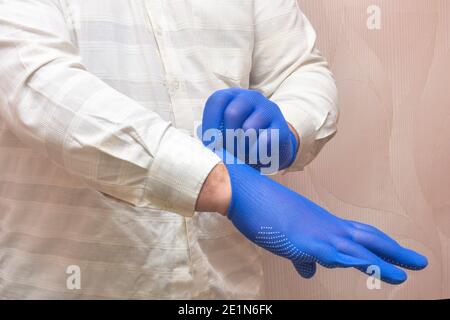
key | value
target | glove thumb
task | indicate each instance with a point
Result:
(306, 269)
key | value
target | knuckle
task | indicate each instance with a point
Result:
(249, 125)
(232, 113)
(222, 92)
(255, 93)
(354, 234)
(218, 98)
(341, 244)
(249, 95)
(348, 231)
(256, 96)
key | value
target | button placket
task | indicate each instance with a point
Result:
(174, 81)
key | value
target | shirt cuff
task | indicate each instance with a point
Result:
(179, 169)
(303, 123)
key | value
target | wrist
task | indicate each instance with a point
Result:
(215, 195)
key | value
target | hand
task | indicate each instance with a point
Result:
(233, 109)
(289, 225)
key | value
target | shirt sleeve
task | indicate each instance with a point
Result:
(53, 104)
(289, 70)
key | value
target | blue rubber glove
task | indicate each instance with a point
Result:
(233, 109)
(291, 226)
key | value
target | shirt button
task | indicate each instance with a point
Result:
(175, 85)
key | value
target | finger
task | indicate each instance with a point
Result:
(325, 255)
(236, 91)
(214, 110)
(388, 272)
(265, 140)
(267, 154)
(346, 261)
(258, 120)
(237, 112)
(328, 257)
(306, 269)
(363, 226)
(389, 250)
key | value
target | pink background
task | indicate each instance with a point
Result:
(389, 164)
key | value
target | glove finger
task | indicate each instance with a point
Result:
(262, 145)
(266, 154)
(258, 120)
(388, 272)
(306, 269)
(346, 261)
(214, 110)
(237, 112)
(388, 249)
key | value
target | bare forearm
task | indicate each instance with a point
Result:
(215, 195)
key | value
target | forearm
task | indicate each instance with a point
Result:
(215, 195)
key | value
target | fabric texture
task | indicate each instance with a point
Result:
(98, 160)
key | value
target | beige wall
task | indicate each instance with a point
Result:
(389, 165)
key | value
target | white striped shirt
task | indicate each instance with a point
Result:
(99, 166)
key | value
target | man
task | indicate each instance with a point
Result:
(110, 92)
